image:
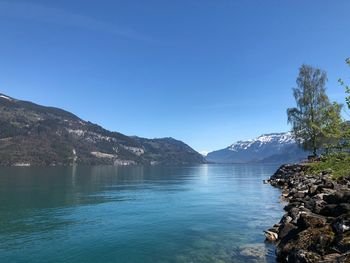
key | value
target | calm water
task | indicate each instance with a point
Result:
(206, 213)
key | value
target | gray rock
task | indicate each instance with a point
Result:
(271, 236)
(335, 210)
(286, 229)
(316, 226)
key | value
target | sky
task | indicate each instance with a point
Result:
(208, 72)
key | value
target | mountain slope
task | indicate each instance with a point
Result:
(32, 134)
(274, 147)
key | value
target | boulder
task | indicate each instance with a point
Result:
(303, 256)
(307, 220)
(271, 236)
(335, 210)
(341, 196)
(341, 224)
(316, 240)
(286, 229)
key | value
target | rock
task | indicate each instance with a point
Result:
(343, 180)
(341, 243)
(335, 257)
(291, 206)
(286, 219)
(342, 224)
(323, 189)
(341, 196)
(316, 225)
(316, 240)
(312, 189)
(327, 171)
(271, 236)
(299, 194)
(307, 220)
(294, 214)
(334, 210)
(303, 256)
(315, 204)
(286, 229)
(328, 184)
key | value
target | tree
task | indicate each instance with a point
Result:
(347, 88)
(346, 124)
(334, 128)
(308, 118)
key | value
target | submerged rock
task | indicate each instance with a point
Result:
(254, 253)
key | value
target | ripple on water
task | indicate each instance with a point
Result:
(200, 214)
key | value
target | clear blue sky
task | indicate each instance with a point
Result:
(208, 72)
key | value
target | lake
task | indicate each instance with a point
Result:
(204, 213)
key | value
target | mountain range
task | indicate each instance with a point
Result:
(267, 148)
(31, 134)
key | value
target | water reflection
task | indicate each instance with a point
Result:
(206, 213)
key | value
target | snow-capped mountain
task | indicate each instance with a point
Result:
(273, 147)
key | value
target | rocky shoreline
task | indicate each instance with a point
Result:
(316, 225)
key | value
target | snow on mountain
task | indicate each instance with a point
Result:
(273, 147)
(204, 153)
(5, 97)
(276, 138)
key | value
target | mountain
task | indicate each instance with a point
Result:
(273, 147)
(32, 134)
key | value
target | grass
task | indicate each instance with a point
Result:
(339, 163)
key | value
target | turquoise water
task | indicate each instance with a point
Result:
(205, 213)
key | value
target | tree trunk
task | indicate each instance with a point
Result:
(314, 148)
